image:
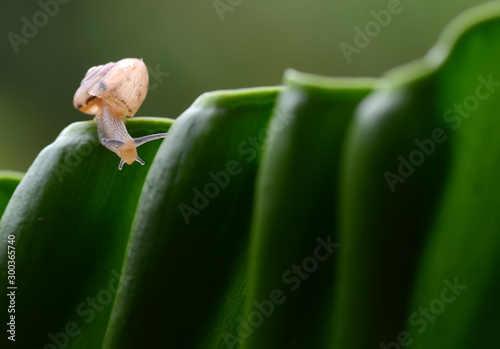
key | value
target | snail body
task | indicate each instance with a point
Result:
(111, 92)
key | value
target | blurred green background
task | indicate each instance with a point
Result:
(189, 48)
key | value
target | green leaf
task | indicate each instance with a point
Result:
(420, 199)
(190, 235)
(294, 233)
(464, 238)
(71, 218)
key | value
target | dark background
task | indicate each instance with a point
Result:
(250, 46)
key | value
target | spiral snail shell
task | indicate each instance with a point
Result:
(111, 92)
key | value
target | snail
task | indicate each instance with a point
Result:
(111, 92)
